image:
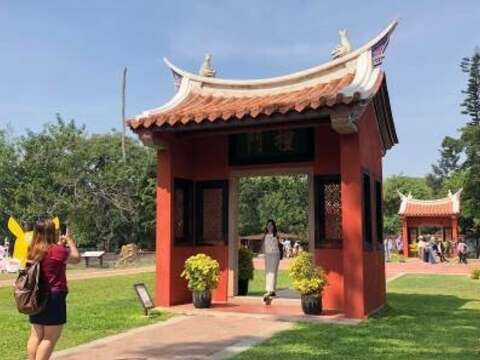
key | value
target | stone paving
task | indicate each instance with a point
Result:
(183, 337)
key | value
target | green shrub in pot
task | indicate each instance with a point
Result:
(309, 281)
(245, 269)
(203, 274)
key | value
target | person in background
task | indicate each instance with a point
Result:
(387, 247)
(399, 243)
(421, 248)
(53, 252)
(462, 250)
(441, 251)
(272, 258)
(287, 248)
(430, 250)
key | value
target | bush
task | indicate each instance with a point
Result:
(202, 273)
(245, 264)
(397, 258)
(307, 279)
(413, 247)
(475, 274)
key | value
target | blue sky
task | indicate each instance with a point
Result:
(67, 57)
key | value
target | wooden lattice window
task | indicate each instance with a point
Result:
(328, 212)
(379, 211)
(183, 211)
(211, 205)
(367, 212)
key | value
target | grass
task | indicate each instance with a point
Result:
(96, 308)
(427, 317)
(257, 285)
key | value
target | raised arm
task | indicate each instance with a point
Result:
(74, 256)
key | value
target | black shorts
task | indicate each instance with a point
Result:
(55, 312)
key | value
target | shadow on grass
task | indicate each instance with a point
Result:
(413, 326)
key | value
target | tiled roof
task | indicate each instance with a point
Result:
(429, 208)
(202, 99)
(198, 107)
(442, 207)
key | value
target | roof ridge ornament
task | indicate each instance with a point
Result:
(345, 46)
(206, 68)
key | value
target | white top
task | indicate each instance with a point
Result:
(271, 244)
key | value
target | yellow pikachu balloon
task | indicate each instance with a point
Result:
(23, 239)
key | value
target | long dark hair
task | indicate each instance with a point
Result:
(271, 221)
(44, 235)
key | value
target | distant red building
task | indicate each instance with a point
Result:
(441, 213)
(331, 122)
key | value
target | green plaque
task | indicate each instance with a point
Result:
(274, 146)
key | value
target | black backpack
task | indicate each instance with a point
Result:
(28, 293)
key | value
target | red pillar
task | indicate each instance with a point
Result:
(353, 259)
(454, 228)
(406, 247)
(164, 227)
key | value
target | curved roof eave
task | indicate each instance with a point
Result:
(273, 81)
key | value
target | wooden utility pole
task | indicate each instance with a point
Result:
(124, 126)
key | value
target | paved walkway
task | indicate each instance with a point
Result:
(416, 266)
(183, 337)
(89, 274)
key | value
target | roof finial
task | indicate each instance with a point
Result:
(206, 68)
(344, 47)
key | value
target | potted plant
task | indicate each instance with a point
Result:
(245, 269)
(202, 273)
(309, 281)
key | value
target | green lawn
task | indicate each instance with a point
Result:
(429, 317)
(257, 285)
(96, 308)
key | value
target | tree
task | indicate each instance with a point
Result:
(282, 198)
(459, 165)
(82, 178)
(471, 104)
(8, 179)
(449, 163)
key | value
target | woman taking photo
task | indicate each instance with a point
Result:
(53, 253)
(271, 245)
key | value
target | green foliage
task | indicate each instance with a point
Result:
(459, 164)
(96, 308)
(471, 104)
(245, 264)
(427, 317)
(257, 285)
(202, 273)
(405, 184)
(283, 198)
(475, 274)
(306, 278)
(62, 170)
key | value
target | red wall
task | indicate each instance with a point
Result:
(195, 159)
(356, 278)
(371, 160)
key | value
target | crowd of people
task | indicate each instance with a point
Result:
(291, 249)
(429, 248)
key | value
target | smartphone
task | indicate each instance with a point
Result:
(63, 229)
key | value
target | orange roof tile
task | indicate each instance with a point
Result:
(198, 108)
(447, 206)
(429, 209)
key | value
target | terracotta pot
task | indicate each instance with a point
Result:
(312, 304)
(202, 299)
(242, 287)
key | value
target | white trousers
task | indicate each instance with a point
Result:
(271, 270)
